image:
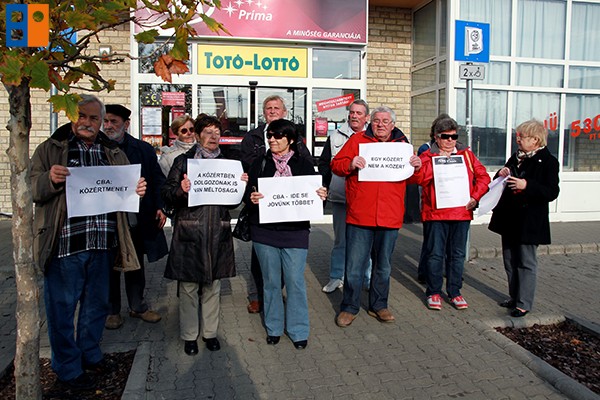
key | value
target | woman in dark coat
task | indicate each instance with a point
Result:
(202, 246)
(521, 216)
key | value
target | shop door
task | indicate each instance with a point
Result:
(239, 109)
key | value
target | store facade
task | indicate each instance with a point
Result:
(319, 55)
(309, 53)
(543, 65)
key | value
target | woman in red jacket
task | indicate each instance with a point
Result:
(446, 228)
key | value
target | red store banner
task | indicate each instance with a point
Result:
(335, 102)
(173, 98)
(340, 21)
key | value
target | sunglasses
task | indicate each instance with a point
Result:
(275, 135)
(185, 130)
(446, 136)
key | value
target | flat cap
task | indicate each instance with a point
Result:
(119, 110)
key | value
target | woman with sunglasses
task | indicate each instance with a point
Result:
(202, 246)
(281, 247)
(183, 127)
(445, 230)
(521, 215)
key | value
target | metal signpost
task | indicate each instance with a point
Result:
(472, 45)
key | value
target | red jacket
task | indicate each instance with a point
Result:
(478, 186)
(373, 204)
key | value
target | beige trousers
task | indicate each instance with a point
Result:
(189, 300)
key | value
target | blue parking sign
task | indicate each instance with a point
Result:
(472, 41)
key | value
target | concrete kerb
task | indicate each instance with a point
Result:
(135, 389)
(572, 248)
(565, 384)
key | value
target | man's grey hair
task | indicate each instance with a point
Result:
(90, 98)
(384, 109)
(274, 97)
(360, 102)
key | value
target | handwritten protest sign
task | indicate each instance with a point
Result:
(290, 198)
(386, 162)
(215, 181)
(451, 181)
(100, 190)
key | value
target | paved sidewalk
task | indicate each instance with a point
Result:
(425, 354)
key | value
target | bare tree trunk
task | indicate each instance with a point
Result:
(27, 361)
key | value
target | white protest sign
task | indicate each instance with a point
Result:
(215, 181)
(100, 190)
(290, 198)
(386, 162)
(492, 197)
(451, 181)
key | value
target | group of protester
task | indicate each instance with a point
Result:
(82, 257)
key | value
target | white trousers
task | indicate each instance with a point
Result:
(189, 300)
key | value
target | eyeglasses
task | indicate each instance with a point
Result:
(277, 136)
(185, 130)
(522, 137)
(381, 121)
(446, 136)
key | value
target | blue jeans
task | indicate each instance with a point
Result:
(80, 278)
(363, 243)
(338, 253)
(446, 240)
(290, 262)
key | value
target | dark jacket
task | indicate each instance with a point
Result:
(299, 165)
(522, 217)
(140, 152)
(253, 147)
(50, 201)
(202, 245)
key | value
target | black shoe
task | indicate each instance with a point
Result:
(508, 303)
(301, 344)
(517, 313)
(190, 347)
(272, 340)
(82, 382)
(101, 367)
(212, 344)
(421, 279)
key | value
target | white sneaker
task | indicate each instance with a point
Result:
(333, 285)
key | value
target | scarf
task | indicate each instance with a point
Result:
(201, 152)
(183, 146)
(281, 163)
(521, 155)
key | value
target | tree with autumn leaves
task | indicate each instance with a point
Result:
(68, 65)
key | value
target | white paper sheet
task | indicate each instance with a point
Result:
(215, 181)
(100, 190)
(451, 181)
(386, 162)
(491, 198)
(292, 198)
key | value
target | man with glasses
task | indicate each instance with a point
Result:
(375, 212)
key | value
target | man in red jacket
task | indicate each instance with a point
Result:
(375, 211)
